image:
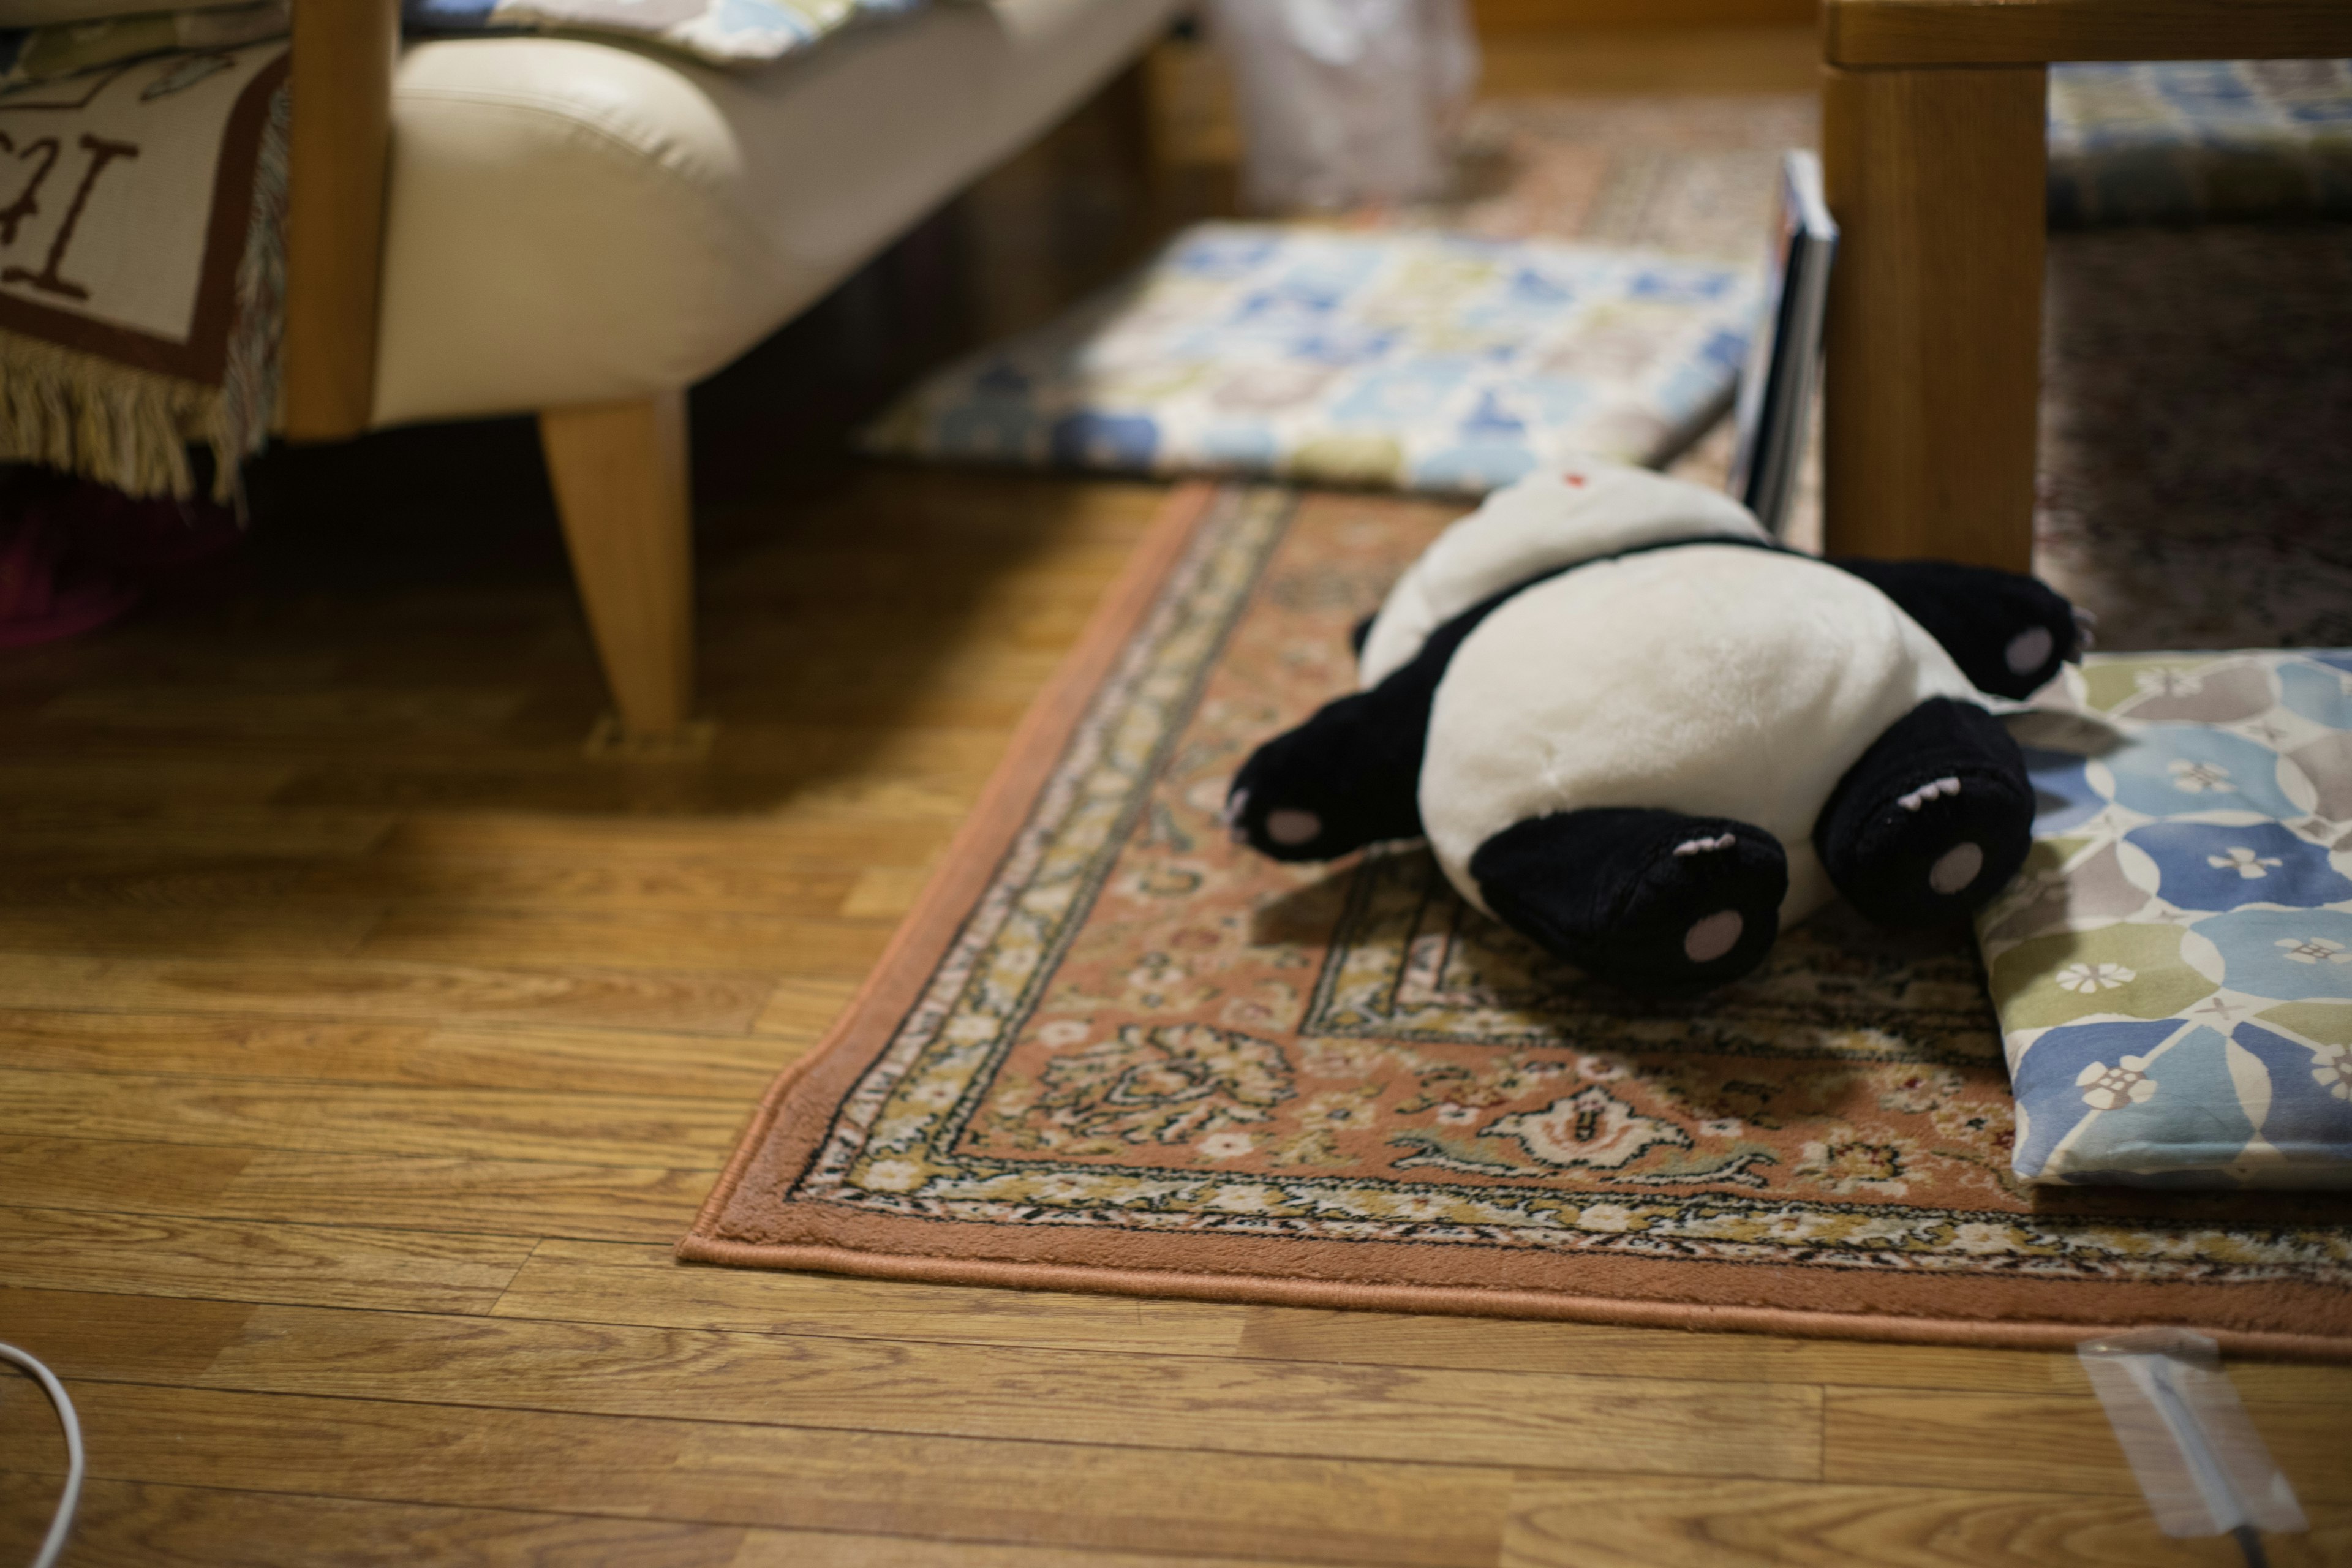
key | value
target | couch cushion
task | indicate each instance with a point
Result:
(580, 222)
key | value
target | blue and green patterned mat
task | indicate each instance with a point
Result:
(2173, 968)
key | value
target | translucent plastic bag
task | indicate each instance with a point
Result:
(2189, 1441)
(1345, 101)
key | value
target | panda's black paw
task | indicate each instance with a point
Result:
(2036, 630)
(1661, 903)
(1346, 778)
(1933, 821)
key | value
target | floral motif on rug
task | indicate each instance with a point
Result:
(1142, 1030)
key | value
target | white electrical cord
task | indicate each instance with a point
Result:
(62, 1524)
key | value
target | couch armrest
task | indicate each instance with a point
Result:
(338, 161)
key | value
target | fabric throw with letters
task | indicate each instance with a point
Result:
(2173, 967)
(717, 32)
(141, 263)
(1424, 361)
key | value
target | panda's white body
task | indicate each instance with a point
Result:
(1717, 680)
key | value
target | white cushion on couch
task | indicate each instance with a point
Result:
(582, 222)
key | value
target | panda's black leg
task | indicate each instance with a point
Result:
(2007, 633)
(1349, 776)
(1933, 821)
(1660, 902)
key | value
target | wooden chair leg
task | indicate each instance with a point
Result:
(620, 475)
(1936, 177)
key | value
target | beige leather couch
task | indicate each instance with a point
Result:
(583, 229)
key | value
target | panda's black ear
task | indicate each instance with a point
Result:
(1362, 634)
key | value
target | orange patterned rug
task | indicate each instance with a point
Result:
(1110, 1050)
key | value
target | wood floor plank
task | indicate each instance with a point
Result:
(133, 1525)
(801, 1008)
(108, 1176)
(547, 780)
(83, 784)
(995, 697)
(884, 893)
(844, 763)
(75, 823)
(666, 939)
(1384, 1339)
(1678, 1523)
(289, 929)
(791, 833)
(914, 795)
(624, 1203)
(372, 1119)
(895, 750)
(874, 514)
(673, 1065)
(1040, 599)
(499, 1197)
(597, 1283)
(721, 1001)
(802, 1549)
(162, 883)
(231, 1260)
(2005, 1442)
(883, 584)
(547, 777)
(247, 711)
(145, 652)
(572, 1061)
(995, 1391)
(610, 884)
(81, 1334)
(1048, 1494)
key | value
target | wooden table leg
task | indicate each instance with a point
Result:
(1933, 372)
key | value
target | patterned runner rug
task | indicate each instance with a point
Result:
(1110, 1050)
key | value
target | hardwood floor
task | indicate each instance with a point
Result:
(365, 1045)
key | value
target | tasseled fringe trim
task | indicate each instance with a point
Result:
(121, 426)
(131, 428)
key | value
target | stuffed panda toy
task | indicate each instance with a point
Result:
(1643, 733)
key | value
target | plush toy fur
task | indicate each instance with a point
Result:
(1637, 729)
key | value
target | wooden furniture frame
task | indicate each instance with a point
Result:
(1932, 153)
(619, 470)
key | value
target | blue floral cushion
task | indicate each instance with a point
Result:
(1420, 360)
(2189, 141)
(2173, 967)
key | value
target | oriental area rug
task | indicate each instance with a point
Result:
(1110, 1050)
